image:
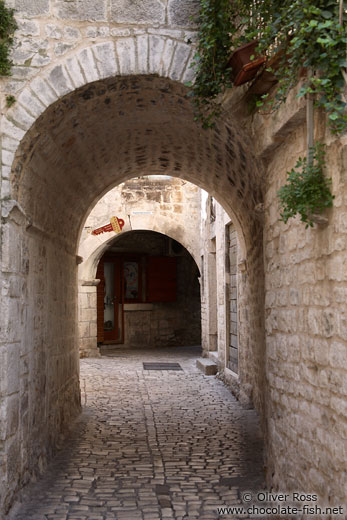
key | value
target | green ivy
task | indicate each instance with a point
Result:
(217, 23)
(307, 191)
(309, 36)
(7, 27)
(303, 34)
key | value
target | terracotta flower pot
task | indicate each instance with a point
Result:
(243, 68)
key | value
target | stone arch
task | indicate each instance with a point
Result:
(129, 56)
(163, 204)
(226, 145)
(187, 301)
(120, 127)
(89, 269)
(58, 164)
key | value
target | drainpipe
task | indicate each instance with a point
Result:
(310, 123)
(344, 73)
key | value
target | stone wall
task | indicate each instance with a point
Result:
(150, 35)
(39, 366)
(90, 140)
(224, 290)
(305, 309)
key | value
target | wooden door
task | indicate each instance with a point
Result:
(110, 317)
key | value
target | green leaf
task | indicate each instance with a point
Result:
(333, 116)
(327, 14)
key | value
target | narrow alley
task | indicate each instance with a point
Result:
(150, 445)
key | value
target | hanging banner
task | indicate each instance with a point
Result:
(116, 224)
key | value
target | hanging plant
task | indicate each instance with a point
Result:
(300, 33)
(307, 191)
(217, 24)
(7, 27)
(309, 34)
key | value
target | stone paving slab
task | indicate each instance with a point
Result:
(150, 445)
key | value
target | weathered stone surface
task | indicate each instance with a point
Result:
(105, 59)
(31, 103)
(24, 51)
(76, 151)
(60, 81)
(207, 366)
(32, 9)
(28, 27)
(137, 11)
(156, 47)
(91, 10)
(180, 13)
(62, 48)
(142, 53)
(126, 55)
(180, 61)
(54, 31)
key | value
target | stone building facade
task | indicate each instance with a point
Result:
(100, 99)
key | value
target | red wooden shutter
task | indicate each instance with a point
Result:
(161, 279)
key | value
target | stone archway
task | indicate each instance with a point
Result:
(151, 310)
(83, 144)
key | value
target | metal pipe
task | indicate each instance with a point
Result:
(310, 123)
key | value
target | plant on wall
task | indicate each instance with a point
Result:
(7, 27)
(217, 22)
(301, 33)
(307, 191)
(310, 36)
(300, 38)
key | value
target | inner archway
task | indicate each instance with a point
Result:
(149, 293)
(81, 146)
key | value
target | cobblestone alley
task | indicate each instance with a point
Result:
(149, 445)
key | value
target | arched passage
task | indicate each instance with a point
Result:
(90, 140)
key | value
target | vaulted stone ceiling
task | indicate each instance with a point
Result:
(115, 129)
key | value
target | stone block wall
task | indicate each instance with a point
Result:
(306, 309)
(87, 319)
(151, 35)
(39, 386)
(100, 98)
(227, 291)
(231, 298)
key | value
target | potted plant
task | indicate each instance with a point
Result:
(290, 36)
(245, 63)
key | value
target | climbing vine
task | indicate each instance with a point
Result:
(303, 34)
(7, 27)
(217, 26)
(301, 39)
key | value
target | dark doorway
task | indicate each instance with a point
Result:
(149, 293)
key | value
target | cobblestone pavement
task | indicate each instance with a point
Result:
(150, 445)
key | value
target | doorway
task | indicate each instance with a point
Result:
(110, 304)
(149, 284)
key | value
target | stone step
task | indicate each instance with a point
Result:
(207, 366)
